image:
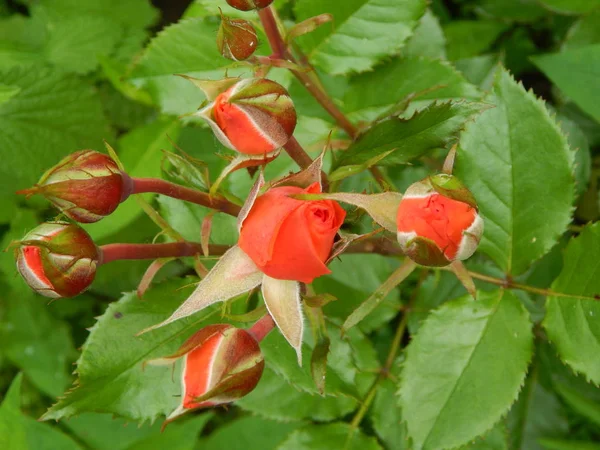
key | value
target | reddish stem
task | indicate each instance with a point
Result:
(156, 185)
(297, 153)
(280, 51)
(116, 252)
(262, 327)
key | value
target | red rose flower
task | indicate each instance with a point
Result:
(290, 239)
(438, 221)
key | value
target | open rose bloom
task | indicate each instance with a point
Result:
(283, 241)
(438, 221)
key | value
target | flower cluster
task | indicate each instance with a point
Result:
(289, 229)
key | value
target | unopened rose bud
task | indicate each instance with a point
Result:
(247, 5)
(254, 116)
(57, 259)
(85, 186)
(290, 239)
(221, 364)
(236, 39)
(438, 221)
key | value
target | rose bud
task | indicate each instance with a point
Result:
(85, 186)
(236, 39)
(255, 116)
(247, 5)
(221, 364)
(57, 259)
(290, 239)
(438, 221)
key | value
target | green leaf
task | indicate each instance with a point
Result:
(18, 431)
(351, 370)
(585, 31)
(111, 376)
(427, 40)
(135, 13)
(573, 321)
(575, 73)
(52, 115)
(353, 278)
(181, 435)
(513, 10)
(370, 94)
(579, 403)
(499, 160)
(32, 338)
(468, 38)
(479, 70)
(398, 140)
(74, 41)
(537, 413)
(326, 437)
(385, 416)
(464, 369)
(189, 48)
(495, 439)
(243, 434)
(140, 151)
(571, 6)
(361, 34)
(563, 444)
(7, 92)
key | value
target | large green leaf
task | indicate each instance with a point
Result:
(371, 94)
(436, 126)
(327, 437)
(468, 38)
(571, 6)
(20, 432)
(511, 157)
(362, 32)
(573, 321)
(585, 31)
(112, 378)
(513, 10)
(575, 72)
(52, 115)
(464, 369)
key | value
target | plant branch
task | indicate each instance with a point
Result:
(262, 327)
(156, 185)
(297, 153)
(117, 252)
(280, 51)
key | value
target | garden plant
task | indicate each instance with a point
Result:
(300, 224)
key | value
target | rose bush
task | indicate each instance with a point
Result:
(391, 320)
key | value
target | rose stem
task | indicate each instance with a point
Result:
(156, 185)
(280, 51)
(262, 327)
(116, 252)
(315, 88)
(297, 153)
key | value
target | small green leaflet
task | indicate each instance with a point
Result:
(362, 32)
(464, 368)
(500, 160)
(396, 140)
(576, 73)
(573, 321)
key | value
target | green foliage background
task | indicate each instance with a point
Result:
(518, 369)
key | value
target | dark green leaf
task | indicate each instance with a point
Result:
(499, 160)
(462, 350)
(326, 437)
(573, 321)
